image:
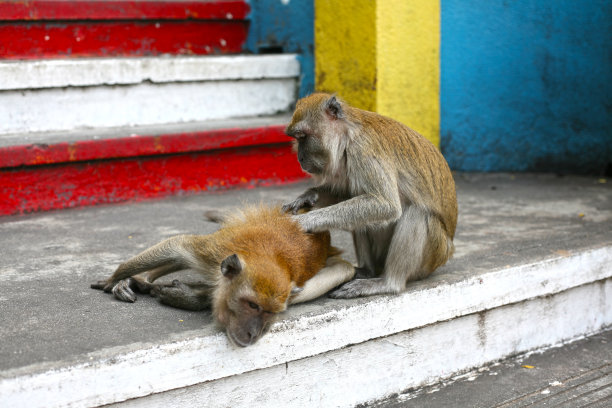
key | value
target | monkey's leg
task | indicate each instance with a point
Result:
(371, 248)
(403, 261)
(336, 272)
(365, 259)
(185, 296)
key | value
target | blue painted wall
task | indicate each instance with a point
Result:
(285, 27)
(526, 85)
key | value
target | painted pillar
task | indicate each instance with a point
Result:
(382, 56)
(284, 26)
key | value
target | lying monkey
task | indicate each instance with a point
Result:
(257, 263)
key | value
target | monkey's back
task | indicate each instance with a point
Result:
(267, 233)
(420, 164)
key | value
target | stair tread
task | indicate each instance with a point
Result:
(508, 226)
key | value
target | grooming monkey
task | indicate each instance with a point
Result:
(259, 261)
(381, 180)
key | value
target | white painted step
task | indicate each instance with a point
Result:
(58, 95)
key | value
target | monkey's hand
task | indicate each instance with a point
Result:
(308, 223)
(308, 199)
(123, 290)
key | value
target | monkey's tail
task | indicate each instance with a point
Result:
(440, 245)
(218, 216)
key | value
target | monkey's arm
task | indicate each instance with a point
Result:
(336, 272)
(173, 254)
(376, 200)
(352, 214)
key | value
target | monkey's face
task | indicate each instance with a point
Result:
(317, 125)
(311, 152)
(249, 299)
(248, 321)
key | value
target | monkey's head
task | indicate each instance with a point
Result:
(318, 128)
(249, 298)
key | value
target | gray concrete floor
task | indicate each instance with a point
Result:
(49, 315)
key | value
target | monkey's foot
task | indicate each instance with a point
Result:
(362, 287)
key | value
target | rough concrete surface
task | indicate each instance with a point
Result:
(49, 314)
(577, 374)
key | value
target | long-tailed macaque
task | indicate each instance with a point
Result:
(381, 180)
(252, 267)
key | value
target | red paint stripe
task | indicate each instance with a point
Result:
(113, 181)
(114, 10)
(187, 37)
(140, 145)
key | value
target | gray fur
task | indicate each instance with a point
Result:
(393, 190)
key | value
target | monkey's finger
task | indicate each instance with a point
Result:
(98, 285)
(123, 292)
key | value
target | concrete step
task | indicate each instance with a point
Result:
(82, 28)
(61, 169)
(64, 95)
(575, 374)
(78, 132)
(533, 268)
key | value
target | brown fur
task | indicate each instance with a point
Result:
(265, 253)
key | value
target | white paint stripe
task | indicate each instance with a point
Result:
(158, 368)
(126, 71)
(364, 373)
(143, 104)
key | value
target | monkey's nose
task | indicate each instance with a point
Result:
(252, 336)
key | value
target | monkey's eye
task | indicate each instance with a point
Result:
(300, 135)
(253, 305)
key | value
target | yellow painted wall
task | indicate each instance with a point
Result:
(408, 64)
(383, 56)
(345, 50)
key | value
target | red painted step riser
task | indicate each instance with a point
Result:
(104, 39)
(119, 9)
(53, 187)
(139, 145)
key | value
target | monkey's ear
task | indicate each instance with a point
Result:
(231, 266)
(333, 108)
